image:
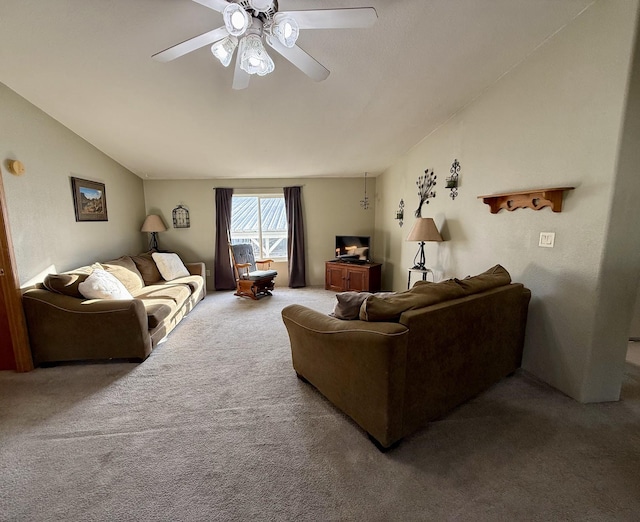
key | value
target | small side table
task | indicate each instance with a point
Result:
(424, 275)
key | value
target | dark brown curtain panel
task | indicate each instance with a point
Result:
(223, 275)
(295, 237)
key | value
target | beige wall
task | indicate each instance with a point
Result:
(46, 237)
(331, 207)
(553, 121)
(620, 264)
(634, 329)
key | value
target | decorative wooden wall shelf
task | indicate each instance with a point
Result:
(534, 199)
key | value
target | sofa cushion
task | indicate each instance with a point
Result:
(194, 282)
(103, 285)
(349, 303)
(176, 293)
(389, 308)
(147, 268)
(163, 300)
(125, 270)
(170, 265)
(492, 278)
(158, 310)
(66, 283)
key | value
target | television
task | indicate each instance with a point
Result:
(353, 248)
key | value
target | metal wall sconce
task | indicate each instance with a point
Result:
(425, 185)
(452, 181)
(364, 202)
(400, 213)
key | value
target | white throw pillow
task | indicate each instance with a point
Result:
(103, 285)
(170, 266)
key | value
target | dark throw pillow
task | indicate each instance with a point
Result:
(348, 305)
(125, 271)
(147, 268)
(65, 284)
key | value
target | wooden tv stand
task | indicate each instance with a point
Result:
(352, 277)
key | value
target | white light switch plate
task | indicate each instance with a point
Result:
(547, 239)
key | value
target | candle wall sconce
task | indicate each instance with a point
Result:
(452, 181)
(400, 213)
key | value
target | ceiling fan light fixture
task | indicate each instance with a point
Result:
(285, 29)
(261, 5)
(223, 50)
(253, 56)
(236, 19)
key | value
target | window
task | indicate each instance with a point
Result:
(262, 222)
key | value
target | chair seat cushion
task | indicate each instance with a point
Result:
(260, 274)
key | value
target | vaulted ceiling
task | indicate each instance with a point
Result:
(87, 63)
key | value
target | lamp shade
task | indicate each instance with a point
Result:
(424, 229)
(153, 223)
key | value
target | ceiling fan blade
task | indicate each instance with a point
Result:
(240, 78)
(303, 61)
(190, 45)
(216, 5)
(335, 18)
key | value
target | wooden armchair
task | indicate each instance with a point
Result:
(251, 282)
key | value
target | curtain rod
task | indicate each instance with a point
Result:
(259, 188)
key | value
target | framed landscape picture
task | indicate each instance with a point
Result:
(89, 200)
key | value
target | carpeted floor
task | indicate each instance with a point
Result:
(216, 426)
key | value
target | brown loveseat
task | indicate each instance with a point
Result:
(64, 326)
(417, 355)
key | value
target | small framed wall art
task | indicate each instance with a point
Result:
(89, 200)
(181, 217)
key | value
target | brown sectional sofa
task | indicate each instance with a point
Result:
(418, 354)
(64, 326)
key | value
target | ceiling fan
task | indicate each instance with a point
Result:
(248, 22)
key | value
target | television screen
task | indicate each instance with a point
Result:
(353, 247)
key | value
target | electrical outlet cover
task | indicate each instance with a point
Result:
(547, 239)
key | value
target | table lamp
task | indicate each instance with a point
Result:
(424, 229)
(153, 224)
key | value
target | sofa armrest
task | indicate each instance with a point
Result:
(201, 270)
(325, 324)
(64, 328)
(196, 269)
(357, 365)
